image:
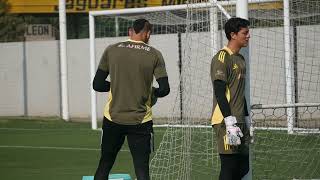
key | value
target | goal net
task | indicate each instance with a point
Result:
(284, 92)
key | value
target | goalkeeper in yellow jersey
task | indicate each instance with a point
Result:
(229, 112)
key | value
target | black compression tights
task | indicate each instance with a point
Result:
(141, 165)
(104, 168)
(233, 166)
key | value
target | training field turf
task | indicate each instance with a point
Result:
(45, 150)
(57, 150)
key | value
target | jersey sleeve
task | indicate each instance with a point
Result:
(219, 67)
(104, 64)
(160, 67)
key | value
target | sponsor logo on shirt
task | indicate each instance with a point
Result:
(219, 73)
(235, 66)
(135, 46)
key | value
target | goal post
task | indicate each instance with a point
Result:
(93, 98)
(243, 12)
(288, 64)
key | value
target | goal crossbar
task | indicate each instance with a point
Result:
(219, 4)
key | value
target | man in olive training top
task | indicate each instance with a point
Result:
(132, 65)
(228, 73)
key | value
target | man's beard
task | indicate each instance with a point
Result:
(146, 41)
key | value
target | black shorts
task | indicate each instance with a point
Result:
(139, 137)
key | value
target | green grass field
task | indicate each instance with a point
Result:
(54, 149)
(38, 150)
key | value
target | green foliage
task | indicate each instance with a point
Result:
(3, 7)
(12, 26)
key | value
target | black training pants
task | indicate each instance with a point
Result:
(140, 141)
(233, 166)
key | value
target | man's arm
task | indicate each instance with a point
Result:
(233, 132)
(99, 82)
(220, 94)
(164, 88)
(160, 73)
(246, 113)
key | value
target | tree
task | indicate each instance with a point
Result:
(12, 27)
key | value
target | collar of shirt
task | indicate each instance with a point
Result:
(136, 41)
(228, 50)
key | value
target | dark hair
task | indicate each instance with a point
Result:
(234, 25)
(141, 25)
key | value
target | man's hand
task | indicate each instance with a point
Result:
(153, 97)
(233, 132)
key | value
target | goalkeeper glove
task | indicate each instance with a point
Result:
(153, 97)
(233, 132)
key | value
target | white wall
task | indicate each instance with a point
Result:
(11, 79)
(42, 78)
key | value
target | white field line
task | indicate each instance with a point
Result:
(54, 148)
(47, 147)
(20, 129)
(33, 129)
(43, 129)
(88, 149)
(297, 130)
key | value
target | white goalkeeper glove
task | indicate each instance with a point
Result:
(233, 132)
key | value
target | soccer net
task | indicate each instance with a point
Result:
(284, 98)
(285, 90)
